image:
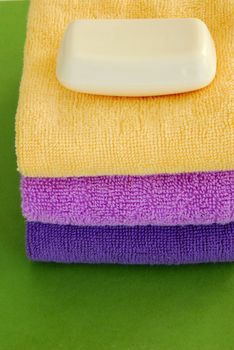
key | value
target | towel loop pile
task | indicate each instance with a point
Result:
(125, 180)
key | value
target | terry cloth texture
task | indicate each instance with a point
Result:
(64, 133)
(130, 245)
(195, 198)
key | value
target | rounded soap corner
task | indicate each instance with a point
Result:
(209, 81)
(199, 20)
(61, 83)
(71, 24)
(213, 76)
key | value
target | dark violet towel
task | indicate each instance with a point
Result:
(130, 245)
(182, 199)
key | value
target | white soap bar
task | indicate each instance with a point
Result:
(137, 57)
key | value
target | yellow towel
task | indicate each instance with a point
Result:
(64, 133)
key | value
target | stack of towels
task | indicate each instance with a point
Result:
(125, 180)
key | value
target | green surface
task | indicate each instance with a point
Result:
(81, 307)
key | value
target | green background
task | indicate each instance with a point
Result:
(52, 306)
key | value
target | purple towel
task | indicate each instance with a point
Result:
(130, 245)
(198, 198)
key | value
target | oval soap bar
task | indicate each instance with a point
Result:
(136, 57)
